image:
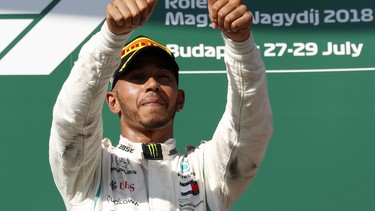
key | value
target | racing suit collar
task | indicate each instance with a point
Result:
(149, 151)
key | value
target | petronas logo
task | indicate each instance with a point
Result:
(40, 34)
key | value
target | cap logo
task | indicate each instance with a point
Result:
(139, 43)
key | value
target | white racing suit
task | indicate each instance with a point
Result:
(91, 174)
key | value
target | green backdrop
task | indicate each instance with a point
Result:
(321, 156)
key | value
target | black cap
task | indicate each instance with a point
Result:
(138, 46)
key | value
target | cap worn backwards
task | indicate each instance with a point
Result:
(139, 46)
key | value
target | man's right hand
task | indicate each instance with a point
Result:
(123, 16)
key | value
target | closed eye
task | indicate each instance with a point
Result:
(137, 78)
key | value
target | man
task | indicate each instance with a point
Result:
(144, 171)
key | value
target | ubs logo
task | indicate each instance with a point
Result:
(36, 30)
(124, 185)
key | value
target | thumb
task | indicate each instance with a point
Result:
(152, 4)
(212, 15)
(209, 4)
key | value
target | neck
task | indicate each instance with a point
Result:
(141, 135)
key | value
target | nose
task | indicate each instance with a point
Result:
(152, 85)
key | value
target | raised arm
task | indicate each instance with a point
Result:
(76, 130)
(239, 143)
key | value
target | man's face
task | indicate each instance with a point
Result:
(148, 95)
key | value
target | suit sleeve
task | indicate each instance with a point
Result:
(234, 154)
(76, 132)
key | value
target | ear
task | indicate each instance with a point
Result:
(180, 100)
(112, 102)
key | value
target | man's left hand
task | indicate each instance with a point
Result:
(231, 17)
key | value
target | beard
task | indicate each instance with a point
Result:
(154, 121)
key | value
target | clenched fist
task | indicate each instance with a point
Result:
(231, 17)
(123, 16)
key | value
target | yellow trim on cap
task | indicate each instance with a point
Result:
(137, 44)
